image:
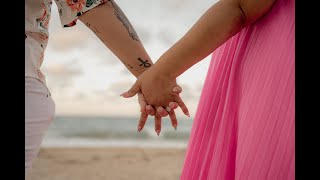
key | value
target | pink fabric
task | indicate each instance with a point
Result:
(244, 128)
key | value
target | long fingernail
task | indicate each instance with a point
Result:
(175, 126)
(171, 105)
(158, 132)
(168, 108)
(125, 94)
(175, 90)
(139, 128)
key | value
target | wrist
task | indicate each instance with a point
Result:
(167, 68)
(145, 66)
(141, 71)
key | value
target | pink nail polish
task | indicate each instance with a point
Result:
(175, 90)
(175, 127)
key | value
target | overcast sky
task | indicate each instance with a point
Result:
(85, 78)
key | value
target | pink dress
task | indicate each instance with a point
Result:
(244, 127)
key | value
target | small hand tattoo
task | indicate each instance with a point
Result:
(144, 63)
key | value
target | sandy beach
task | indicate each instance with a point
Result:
(107, 164)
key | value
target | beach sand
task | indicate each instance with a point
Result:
(107, 164)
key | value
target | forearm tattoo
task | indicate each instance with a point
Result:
(96, 31)
(124, 20)
(121, 17)
(144, 63)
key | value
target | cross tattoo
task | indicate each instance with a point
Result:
(144, 63)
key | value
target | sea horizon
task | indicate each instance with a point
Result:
(114, 131)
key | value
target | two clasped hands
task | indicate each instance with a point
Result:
(158, 95)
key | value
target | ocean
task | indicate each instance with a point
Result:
(115, 132)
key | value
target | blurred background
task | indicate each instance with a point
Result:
(92, 121)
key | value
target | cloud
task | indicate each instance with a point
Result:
(105, 55)
(99, 102)
(79, 96)
(189, 94)
(166, 37)
(116, 89)
(177, 4)
(61, 70)
(67, 39)
(61, 76)
(144, 34)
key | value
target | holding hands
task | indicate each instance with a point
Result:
(158, 95)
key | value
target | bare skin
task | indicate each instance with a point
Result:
(221, 21)
(113, 28)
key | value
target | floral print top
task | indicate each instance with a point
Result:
(37, 17)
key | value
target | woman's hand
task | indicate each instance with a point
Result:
(146, 110)
(157, 91)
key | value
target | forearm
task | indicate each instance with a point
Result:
(112, 27)
(223, 20)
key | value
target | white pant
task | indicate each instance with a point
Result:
(39, 113)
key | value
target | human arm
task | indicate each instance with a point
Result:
(113, 28)
(223, 20)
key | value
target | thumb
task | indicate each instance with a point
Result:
(132, 91)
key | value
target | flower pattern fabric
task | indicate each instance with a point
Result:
(75, 5)
(37, 18)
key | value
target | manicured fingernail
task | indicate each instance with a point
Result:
(168, 108)
(148, 108)
(124, 94)
(139, 128)
(187, 113)
(158, 132)
(160, 110)
(175, 126)
(175, 90)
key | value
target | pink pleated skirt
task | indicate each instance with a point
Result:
(244, 128)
